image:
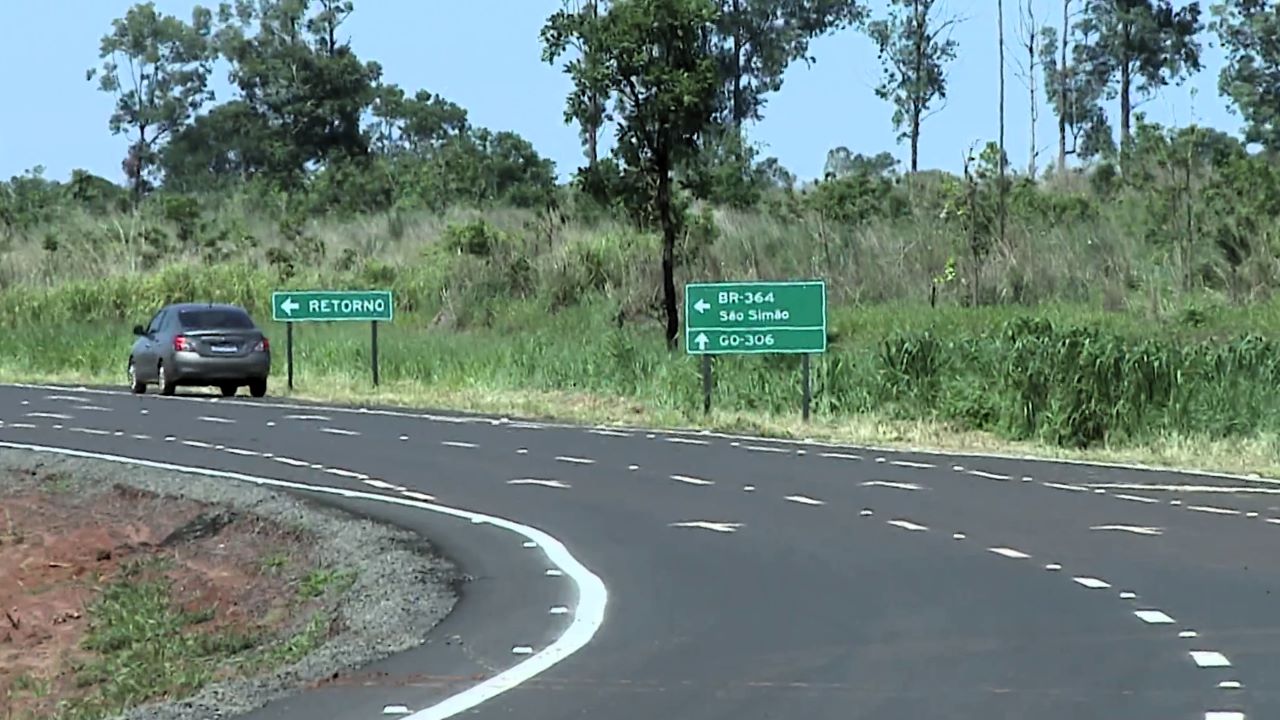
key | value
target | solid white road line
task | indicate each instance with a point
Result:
(591, 592)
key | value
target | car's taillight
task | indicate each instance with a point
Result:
(182, 344)
(262, 346)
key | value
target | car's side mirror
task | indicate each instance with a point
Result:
(139, 330)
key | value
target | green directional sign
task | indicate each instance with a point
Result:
(734, 318)
(332, 306)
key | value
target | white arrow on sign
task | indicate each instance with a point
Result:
(701, 341)
(702, 305)
(289, 305)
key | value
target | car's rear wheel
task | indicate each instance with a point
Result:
(228, 389)
(135, 385)
(162, 377)
(258, 388)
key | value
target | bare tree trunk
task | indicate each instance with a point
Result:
(1030, 28)
(667, 218)
(1003, 164)
(1062, 91)
(593, 125)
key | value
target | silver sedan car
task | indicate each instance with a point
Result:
(190, 344)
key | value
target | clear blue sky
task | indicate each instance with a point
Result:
(485, 55)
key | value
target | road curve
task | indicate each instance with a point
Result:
(755, 578)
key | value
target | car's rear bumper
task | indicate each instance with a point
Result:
(191, 368)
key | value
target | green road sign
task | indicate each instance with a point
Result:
(755, 317)
(332, 306)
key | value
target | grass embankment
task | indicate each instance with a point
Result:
(1181, 387)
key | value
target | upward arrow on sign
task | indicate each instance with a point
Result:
(702, 306)
(701, 341)
(289, 305)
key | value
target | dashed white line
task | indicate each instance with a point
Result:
(1274, 521)
(381, 485)
(1230, 685)
(1188, 634)
(339, 431)
(690, 480)
(522, 650)
(346, 473)
(1210, 659)
(291, 461)
(958, 536)
(910, 464)
(49, 416)
(687, 441)
(1053, 567)
(552, 572)
(1224, 715)
(576, 460)
(764, 448)
(891, 484)
(908, 525)
(559, 610)
(140, 436)
(633, 467)
(988, 475)
(1092, 583)
(720, 527)
(196, 444)
(803, 500)
(1136, 498)
(538, 481)
(866, 512)
(1153, 617)
(1009, 553)
(309, 418)
(87, 431)
(1128, 595)
(1064, 486)
(418, 495)
(1213, 509)
(610, 433)
(395, 710)
(1135, 529)
(840, 456)
(458, 444)
(1208, 489)
(93, 408)
(748, 488)
(22, 426)
(219, 420)
(243, 453)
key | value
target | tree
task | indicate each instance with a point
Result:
(1029, 44)
(1251, 77)
(758, 39)
(590, 111)
(1139, 46)
(1075, 89)
(653, 58)
(157, 67)
(914, 46)
(1004, 158)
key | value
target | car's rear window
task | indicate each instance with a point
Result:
(215, 319)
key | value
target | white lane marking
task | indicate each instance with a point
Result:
(1230, 685)
(1064, 486)
(720, 527)
(522, 650)
(1128, 595)
(1224, 715)
(196, 444)
(382, 485)
(764, 448)
(346, 473)
(690, 480)
(907, 525)
(610, 433)
(1251, 514)
(882, 459)
(577, 460)
(910, 464)
(958, 536)
(958, 468)
(866, 512)
(989, 475)
(1092, 583)
(1053, 567)
(522, 451)
(686, 441)
(1213, 509)
(1175, 502)
(537, 481)
(93, 408)
(140, 436)
(1188, 634)
(339, 431)
(1027, 478)
(1210, 658)
(803, 500)
(22, 426)
(633, 468)
(212, 419)
(458, 444)
(528, 544)
(1009, 553)
(1207, 489)
(1274, 521)
(1136, 498)
(840, 456)
(291, 461)
(309, 418)
(1135, 529)
(553, 572)
(418, 495)
(395, 710)
(891, 484)
(69, 398)
(243, 453)
(748, 488)
(559, 610)
(86, 431)
(403, 438)
(592, 594)
(50, 416)
(1153, 617)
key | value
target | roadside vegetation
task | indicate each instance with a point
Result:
(1113, 298)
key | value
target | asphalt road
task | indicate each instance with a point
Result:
(750, 578)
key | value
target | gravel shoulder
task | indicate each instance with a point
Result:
(369, 590)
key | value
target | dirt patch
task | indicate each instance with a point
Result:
(122, 597)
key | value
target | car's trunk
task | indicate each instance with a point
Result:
(223, 343)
